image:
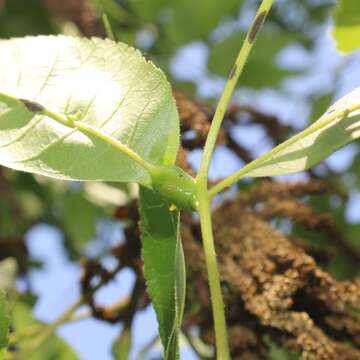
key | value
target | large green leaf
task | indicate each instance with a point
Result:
(261, 69)
(334, 129)
(347, 25)
(164, 266)
(116, 89)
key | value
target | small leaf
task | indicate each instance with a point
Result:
(4, 320)
(114, 88)
(277, 352)
(122, 346)
(333, 130)
(164, 266)
(53, 348)
(346, 30)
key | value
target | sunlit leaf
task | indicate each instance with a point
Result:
(316, 142)
(164, 266)
(347, 25)
(115, 88)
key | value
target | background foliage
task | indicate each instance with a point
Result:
(289, 81)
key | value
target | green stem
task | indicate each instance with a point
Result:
(230, 87)
(221, 338)
(267, 156)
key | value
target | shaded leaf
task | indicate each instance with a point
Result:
(122, 345)
(261, 69)
(4, 321)
(53, 348)
(320, 104)
(200, 17)
(316, 142)
(116, 89)
(347, 25)
(78, 216)
(112, 8)
(164, 266)
(20, 18)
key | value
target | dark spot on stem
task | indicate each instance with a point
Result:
(32, 106)
(256, 26)
(232, 72)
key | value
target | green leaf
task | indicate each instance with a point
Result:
(53, 348)
(261, 69)
(4, 321)
(122, 346)
(320, 103)
(8, 271)
(346, 30)
(200, 17)
(116, 89)
(333, 130)
(78, 217)
(164, 266)
(148, 10)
